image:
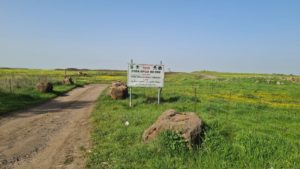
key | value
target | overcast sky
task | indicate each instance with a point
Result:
(231, 36)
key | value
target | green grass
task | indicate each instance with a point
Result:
(28, 97)
(17, 86)
(249, 123)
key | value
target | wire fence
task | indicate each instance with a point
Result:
(15, 83)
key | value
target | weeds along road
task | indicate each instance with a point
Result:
(52, 135)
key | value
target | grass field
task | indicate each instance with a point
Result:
(251, 121)
(17, 86)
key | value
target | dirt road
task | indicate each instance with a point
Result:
(53, 135)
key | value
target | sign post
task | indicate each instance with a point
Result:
(159, 90)
(130, 88)
(158, 96)
(145, 75)
(130, 97)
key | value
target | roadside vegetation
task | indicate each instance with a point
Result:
(18, 86)
(251, 121)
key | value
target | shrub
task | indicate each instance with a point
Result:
(172, 142)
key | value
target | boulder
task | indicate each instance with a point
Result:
(44, 87)
(294, 79)
(82, 74)
(187, 124)
(68, 81)
(118, 90)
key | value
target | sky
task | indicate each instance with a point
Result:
(251, 36)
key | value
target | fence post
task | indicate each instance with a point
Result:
(10, 87)
(195, 99)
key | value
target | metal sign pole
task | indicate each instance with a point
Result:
(159, 91)
(130, 96)
(158, 96)
(130, 88)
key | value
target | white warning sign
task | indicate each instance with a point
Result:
(145, 75)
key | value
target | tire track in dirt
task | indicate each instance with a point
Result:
(53, 135)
